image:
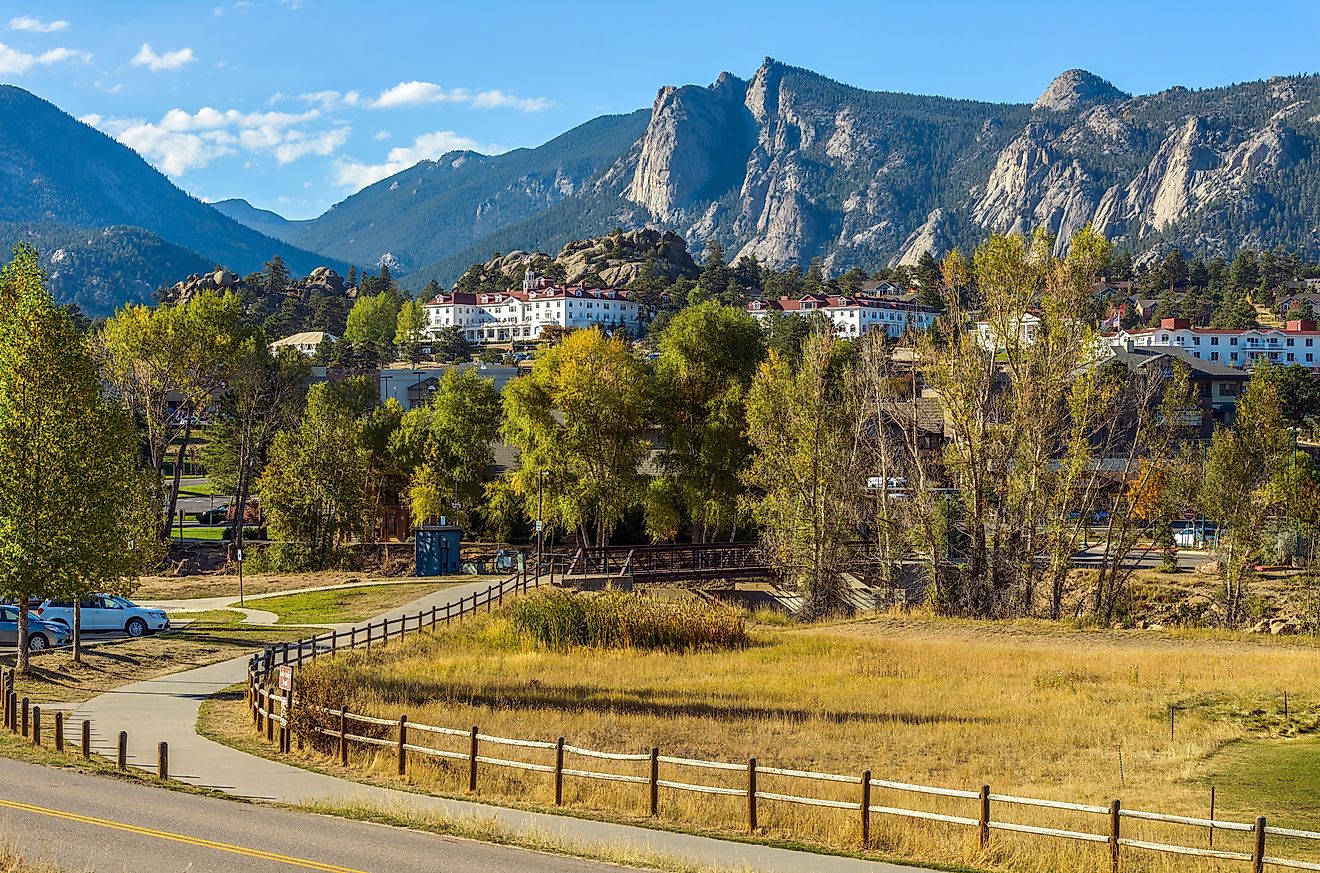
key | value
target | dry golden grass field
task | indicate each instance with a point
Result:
(1029, 708)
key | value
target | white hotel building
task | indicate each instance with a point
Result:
(1298, 342)
(852, 316)
(505, 316)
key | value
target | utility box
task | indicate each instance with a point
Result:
(437, 550)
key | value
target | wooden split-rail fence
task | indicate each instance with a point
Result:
(274, 707)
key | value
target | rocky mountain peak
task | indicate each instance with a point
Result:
(1076, 89)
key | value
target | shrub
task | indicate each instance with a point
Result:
(614, 620)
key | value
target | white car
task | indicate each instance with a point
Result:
(107, 613)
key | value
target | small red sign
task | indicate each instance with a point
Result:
(285, 678)
(1189, 514)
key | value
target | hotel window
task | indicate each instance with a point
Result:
(1214, 356)
(1214, 340)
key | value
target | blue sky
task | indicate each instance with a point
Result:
(294, 104)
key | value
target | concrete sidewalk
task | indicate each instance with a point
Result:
(166, 709)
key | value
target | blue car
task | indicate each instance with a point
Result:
(42, 635)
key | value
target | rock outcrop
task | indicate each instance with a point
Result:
(1076, 89)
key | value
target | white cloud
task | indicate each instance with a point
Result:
(15, 62)
(428, 146)
(318, 144)
(381, 135)
(329, 100)
(36, 25)
(168, 61)
(490, 99)
(417, 93)
(181, 141)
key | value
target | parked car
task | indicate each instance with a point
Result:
(219, 515)
(107, 613)
(42, 634)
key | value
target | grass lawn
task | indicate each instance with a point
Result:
(1027, 707)
(201, 532)
(54, 676)
(226, 584)
(203, 488)
(343, 605)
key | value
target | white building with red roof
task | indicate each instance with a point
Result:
(1298, 342)
(507, 316)
(852, 316)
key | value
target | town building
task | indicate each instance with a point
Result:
(522, 314)
(306, 342)
(852, 316)
(413, 386)
(1298, 342)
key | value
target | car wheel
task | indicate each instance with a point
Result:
(38, 643)
(136, 627)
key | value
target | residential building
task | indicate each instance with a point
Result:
(1298, 342)
(852, 316)
(305, 342)
(522, 314)
(1217, 386)
(1027, 328)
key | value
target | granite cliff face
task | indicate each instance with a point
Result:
(861, 178)
(789, 165)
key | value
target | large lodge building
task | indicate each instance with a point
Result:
(521, 315)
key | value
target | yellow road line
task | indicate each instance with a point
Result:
(179, 838)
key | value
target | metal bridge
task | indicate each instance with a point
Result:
(671, 563)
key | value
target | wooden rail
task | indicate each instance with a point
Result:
(274, 707)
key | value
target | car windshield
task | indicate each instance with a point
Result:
(122, 601)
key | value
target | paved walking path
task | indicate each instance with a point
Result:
(166, 709)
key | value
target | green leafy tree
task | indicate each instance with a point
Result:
(264, 397)
(1240, 465)
(75, 516)
(449, 345)
(167, 365)
(315, 489)
(372, 324)
(804, 475)
(410, 329)
(581, 416)
(708, 356)
(447, 445)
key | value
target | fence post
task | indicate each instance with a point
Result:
(163, 760)
(288, 719)
(86, 739)
(36, 725)
(866, 808)
(121, 758)
(334, 643)
(59, 732)
(270, 715)
(343, 736)
(25, 716)
(985, 816)
(1115, 816)
(257, 713)
(655, 781)
(472, 763)
(435, 609)
(559, 772)
(368, 636)
(403, 741)
(751, 795)
(13, 711)
(1258, 854)
(352, 637)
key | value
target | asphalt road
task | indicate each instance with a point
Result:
(90, 824)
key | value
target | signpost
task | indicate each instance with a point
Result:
(240, 575)
(284, 676)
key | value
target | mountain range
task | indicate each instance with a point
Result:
(110, 228)
(786, 165)
(789, 165)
